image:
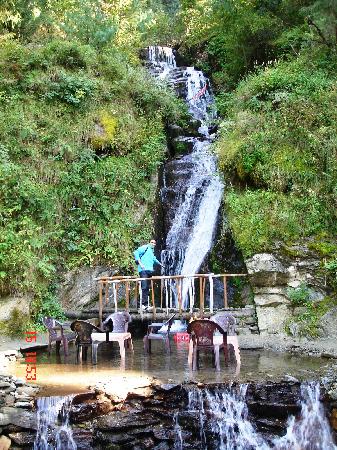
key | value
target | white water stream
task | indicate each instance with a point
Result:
(198, 189)
(224, 416)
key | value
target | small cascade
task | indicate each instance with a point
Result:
(54, 432)
(224, 424)
(311, 431)
(191, 191)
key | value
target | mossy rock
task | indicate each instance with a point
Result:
(105, 131)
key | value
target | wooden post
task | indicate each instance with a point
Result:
(136, 294)
(116, 304)
(100, 307)
(152, 296)
(202, 299)
(179, 295)
(106, 293)
(225, 292)
(161, 293)
(127, 295)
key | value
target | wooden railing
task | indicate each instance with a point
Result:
(170, 285)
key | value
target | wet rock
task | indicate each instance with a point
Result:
(23, 438)
(26, 405)
(18, 417)
(174, 131)
(90, 408)
(162, 446)
(181, 145)
(112, 438)
(124, 420)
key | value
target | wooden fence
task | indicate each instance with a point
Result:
(171, 288)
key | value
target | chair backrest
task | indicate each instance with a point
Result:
(226, 321)
(202, 331)
(83, 331)
(53, 326)
(120, 321)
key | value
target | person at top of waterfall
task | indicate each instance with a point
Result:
(145, 259)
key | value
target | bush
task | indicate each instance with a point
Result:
(299, 296)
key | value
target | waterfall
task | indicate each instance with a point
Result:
(224, 423)
(192, 190)
(53, 420)
(311, 431)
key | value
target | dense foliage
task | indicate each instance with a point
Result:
(81, 138)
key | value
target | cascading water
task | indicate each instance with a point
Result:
(192, 190)
(54, 432)
(224, 423)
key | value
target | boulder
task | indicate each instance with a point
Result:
(272, 320)
(265, 269)
(80, 289)
(9, 303)
(328, 324)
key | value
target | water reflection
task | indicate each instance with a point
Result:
(62, 375)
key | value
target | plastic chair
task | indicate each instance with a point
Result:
(83, 331)
(153, 335)
(228, 323)
(117, 322)
(202, 339)
(57, 334)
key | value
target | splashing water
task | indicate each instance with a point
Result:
(53, 424)
(311, 431)
(224, 424)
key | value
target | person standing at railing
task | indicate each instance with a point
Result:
(145, 260)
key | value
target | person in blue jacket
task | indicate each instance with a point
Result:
(145, 260)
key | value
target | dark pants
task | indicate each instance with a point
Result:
(145, 284)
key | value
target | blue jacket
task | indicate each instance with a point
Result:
(146, 256)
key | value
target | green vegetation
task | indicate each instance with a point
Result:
(307, 323)
(81, 138)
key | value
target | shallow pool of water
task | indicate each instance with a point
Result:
(61, 375)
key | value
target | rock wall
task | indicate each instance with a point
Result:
(271, 274)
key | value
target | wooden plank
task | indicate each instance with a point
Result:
(225, 299)
(100, 306)
(106, 293)
(152, 296)
(161, 292)
(127, 295)
(180, 300)
(202, 299)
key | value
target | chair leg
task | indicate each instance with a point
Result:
(49, 347)
(146, 344)
(85, 353)
(65, 346)
(225, 351)
(217, 357)
(94, 347)
(58, 345)
(79, 354)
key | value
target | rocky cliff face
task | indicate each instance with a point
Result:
(272, 274)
